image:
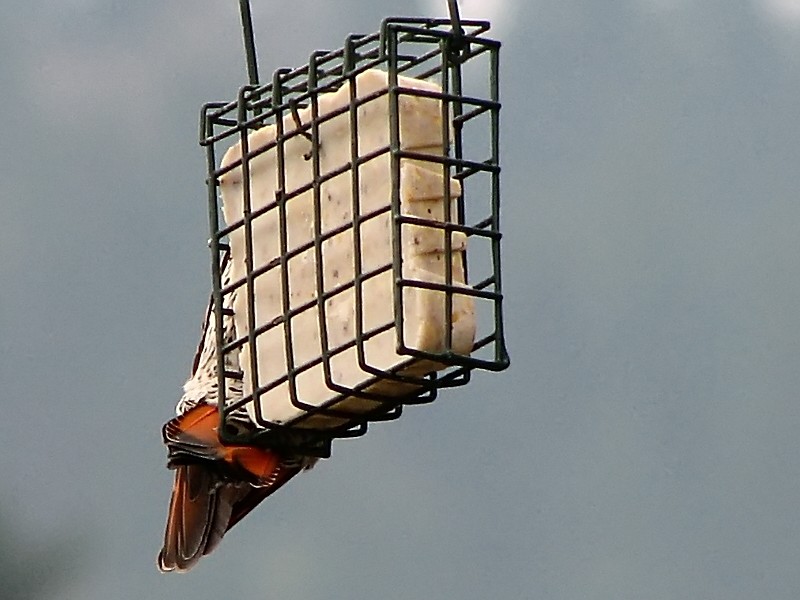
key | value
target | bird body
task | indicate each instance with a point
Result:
(215, 484)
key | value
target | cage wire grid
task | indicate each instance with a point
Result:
(424, 48)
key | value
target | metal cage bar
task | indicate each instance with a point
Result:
(430, 49)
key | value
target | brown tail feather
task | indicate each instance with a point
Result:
(215, 486)
(204, 507)
(200, 513)
(202, 510)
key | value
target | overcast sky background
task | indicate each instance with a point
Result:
(644, 442)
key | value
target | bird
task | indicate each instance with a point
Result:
(216, 484)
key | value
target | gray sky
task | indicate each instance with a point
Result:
(644, 442)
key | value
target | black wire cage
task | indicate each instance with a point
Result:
(328, 284)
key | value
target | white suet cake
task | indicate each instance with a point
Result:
(424, 257)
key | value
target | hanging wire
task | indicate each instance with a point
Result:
(249, 42)
(457, 42)
(458, 32)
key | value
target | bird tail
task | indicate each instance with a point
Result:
(215, 486)
(199, 513)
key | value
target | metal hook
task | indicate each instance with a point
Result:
(299, 124)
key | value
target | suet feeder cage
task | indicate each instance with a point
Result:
(280, 175)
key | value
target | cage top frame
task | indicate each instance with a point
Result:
(248, 36)
(457, 37)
